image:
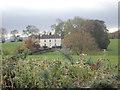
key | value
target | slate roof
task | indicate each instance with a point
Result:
(50, 36)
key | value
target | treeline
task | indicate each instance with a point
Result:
(82, 34)
(29, 31)
(115, 35)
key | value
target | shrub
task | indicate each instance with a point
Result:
(36, 45)
(89, 61)
(57, 47)
(65, 52)
(30, 44)
(102, 84)
(20, 49)
(38, 73)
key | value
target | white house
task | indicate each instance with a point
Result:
(50, 40)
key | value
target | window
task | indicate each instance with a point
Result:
(55, 44)
(55, 40)
(49, 40)
(44, 40)
(44, 44)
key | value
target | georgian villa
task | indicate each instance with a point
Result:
(50, 40)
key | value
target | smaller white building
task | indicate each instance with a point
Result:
(50, 40)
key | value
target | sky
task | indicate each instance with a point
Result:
(17, 14)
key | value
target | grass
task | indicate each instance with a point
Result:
(111, 54)
(113, 47)
(11, 47)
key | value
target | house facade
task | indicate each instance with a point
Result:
(50, 41)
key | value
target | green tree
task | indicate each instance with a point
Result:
(100, 33)
(31, 30)
(14, 34)
(59, 27)
(96, 28)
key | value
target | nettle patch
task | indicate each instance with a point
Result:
(37, 73)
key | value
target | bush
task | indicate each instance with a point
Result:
(57, 47)
(38, 73)
(65, 52)
(30, 44)
(102, 84)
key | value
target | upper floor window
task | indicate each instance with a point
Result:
(44, 40)
(55, 40)
(49, 40)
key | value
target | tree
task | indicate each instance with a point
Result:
(76, 36)
(26, 32)
(31, 30)
(96, 28)
(14, 34)
(59, 27)
(44, 32)
(80, 42)
(3, 33)
(100, 33)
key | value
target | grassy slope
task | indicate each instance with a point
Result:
(113, 47)
(11, 47)
(112, 52)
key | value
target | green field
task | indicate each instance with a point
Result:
(10, 47)
(111, 54)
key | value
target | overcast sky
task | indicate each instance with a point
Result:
(17, 14)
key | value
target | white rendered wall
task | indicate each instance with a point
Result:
(50, 44)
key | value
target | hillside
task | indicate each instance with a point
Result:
(10, 47)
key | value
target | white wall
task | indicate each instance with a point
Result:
(50, 44)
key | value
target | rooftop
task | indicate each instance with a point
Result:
(50, 36)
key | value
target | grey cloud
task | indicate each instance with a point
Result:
(19, 18)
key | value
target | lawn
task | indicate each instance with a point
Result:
(111, 54)
(10, 47)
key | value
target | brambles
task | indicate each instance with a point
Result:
(103, 84)
(37, 73)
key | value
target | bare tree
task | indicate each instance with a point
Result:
(14, 34)
(3, 33)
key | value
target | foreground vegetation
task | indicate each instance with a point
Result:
(56, 70)
(37, 73)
